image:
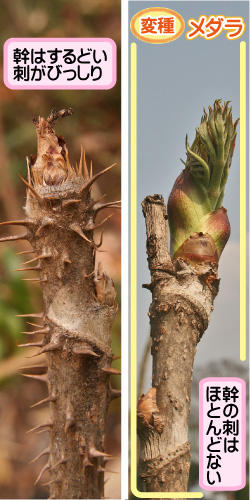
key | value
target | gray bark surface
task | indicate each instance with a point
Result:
(182, 300)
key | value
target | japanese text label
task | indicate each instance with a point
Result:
(222, 433)
(60, 63)
(212, 27)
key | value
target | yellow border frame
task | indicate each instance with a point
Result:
(133, 221)
(243, 202)
(133, 248)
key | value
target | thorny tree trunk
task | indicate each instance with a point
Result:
(79, 308)
(182, 300)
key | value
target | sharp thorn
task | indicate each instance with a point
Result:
(42, 330)
(70, 202)
(53, 481)
(85, 168)
(28, 333)
(38, 197)
(51, 346)
(111, 204)
(114, 358)
(16, 223)
(91, 205)
(34, 268)
(45, 224)
(33, 355)
(35, 280)
(103, 221)
(34, 324)
(43, 430)
(71, 171)
(147, 286)
(111, 371)
(88, 275)
(44, 452)
(77, 229)
(99, 244)
(39, 177)
(34, 315)
(96, 453)
(68, 425)
(14, 238)
(49, 423)
(46, 467)
(46, 400)
(96, 247)
(80, 162)
(111, 471)
(32, 366)
(29, 262)
(39, 257)
(28, 167)
(67, 261)
(109, 458)
(85, 351)
(36, 178)
(92, 228)
(96, 176)
(61, 461)
(42, 378)
(86, 461)
(91, 169)
(32, 344)
(70, 421)
(101, 469)
(25, 252)
(114, 393)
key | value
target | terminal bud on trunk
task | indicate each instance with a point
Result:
(194, 205)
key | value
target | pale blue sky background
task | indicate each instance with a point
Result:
(175, 81)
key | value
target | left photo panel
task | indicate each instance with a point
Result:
(60, 249)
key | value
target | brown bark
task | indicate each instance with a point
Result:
(182, 300)
(79, 309)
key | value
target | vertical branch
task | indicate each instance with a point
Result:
(79, 308)
(179, 314)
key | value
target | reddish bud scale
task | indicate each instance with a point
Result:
(187, 204)
(218, 226)
(208, 244)
(198, 248)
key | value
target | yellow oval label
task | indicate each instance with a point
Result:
(157, 25)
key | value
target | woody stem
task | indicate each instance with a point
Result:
(179, 314)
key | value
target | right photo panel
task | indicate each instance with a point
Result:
(189, 188)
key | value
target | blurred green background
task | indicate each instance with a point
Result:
(96, 125)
